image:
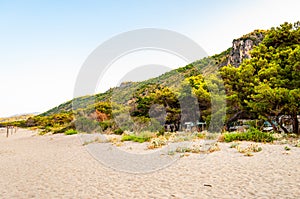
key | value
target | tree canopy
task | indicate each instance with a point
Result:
(268, 84)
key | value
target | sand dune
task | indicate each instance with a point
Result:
(58, 166)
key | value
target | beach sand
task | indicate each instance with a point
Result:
(59, 166)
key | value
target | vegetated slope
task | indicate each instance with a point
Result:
(138, 98)
(233, 55)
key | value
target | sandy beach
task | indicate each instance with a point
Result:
(59, 166)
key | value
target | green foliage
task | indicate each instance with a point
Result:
(118, 131)
(265, 86)
(142, 137)
(251, 135)
(86, 125)
(59, 119)
(287, 148)
(268, 84)
(71, 132)
(107, 124)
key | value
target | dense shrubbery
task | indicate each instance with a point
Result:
(87, 125)
(105, 125)
(251, 135)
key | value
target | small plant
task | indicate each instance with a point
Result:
(183, 149)
(157, 142)
(42, 132)
(252, 148)
(297, 144)
(255, 148)
(287, 148)
(248, 153)
(71, 132)
(200, 135)
(171, 152)
(234, 145)
(118, 131)
(283, 141)
(114, 140)
(96, 140)
(292, 135)
(214, 147)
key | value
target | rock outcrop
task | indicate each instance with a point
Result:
(241, 47)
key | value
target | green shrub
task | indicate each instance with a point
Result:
(42, 133)
(118, 131)
(84, 124)
(287, 148)
(47, 129)
(252, 134)
(107, 124)
(65, 128)
(70, 132)
(136, 138)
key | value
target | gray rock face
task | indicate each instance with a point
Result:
(241, 47)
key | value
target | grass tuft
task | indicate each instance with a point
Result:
(71, 132)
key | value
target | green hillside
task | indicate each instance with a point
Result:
(244, 72)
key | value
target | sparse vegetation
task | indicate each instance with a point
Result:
(234, 145)
(249, 150)
(198, 148)
(96, 140)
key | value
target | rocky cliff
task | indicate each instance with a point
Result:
(241, 47)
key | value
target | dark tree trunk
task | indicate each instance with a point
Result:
(233, 118)
(284, 129)
(279, 122)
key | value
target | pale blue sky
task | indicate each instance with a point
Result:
(44, 43)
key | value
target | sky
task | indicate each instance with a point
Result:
(43, 44)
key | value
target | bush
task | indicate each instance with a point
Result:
(157, 142)
(70, 132)
(118, 131)
(87, 125)
(64, 129)
(252, 134)
(107, 124)
(287, 148)
(143, 137)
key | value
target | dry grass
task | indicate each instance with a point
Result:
(247, 151)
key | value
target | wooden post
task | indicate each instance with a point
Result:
(7, 131)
